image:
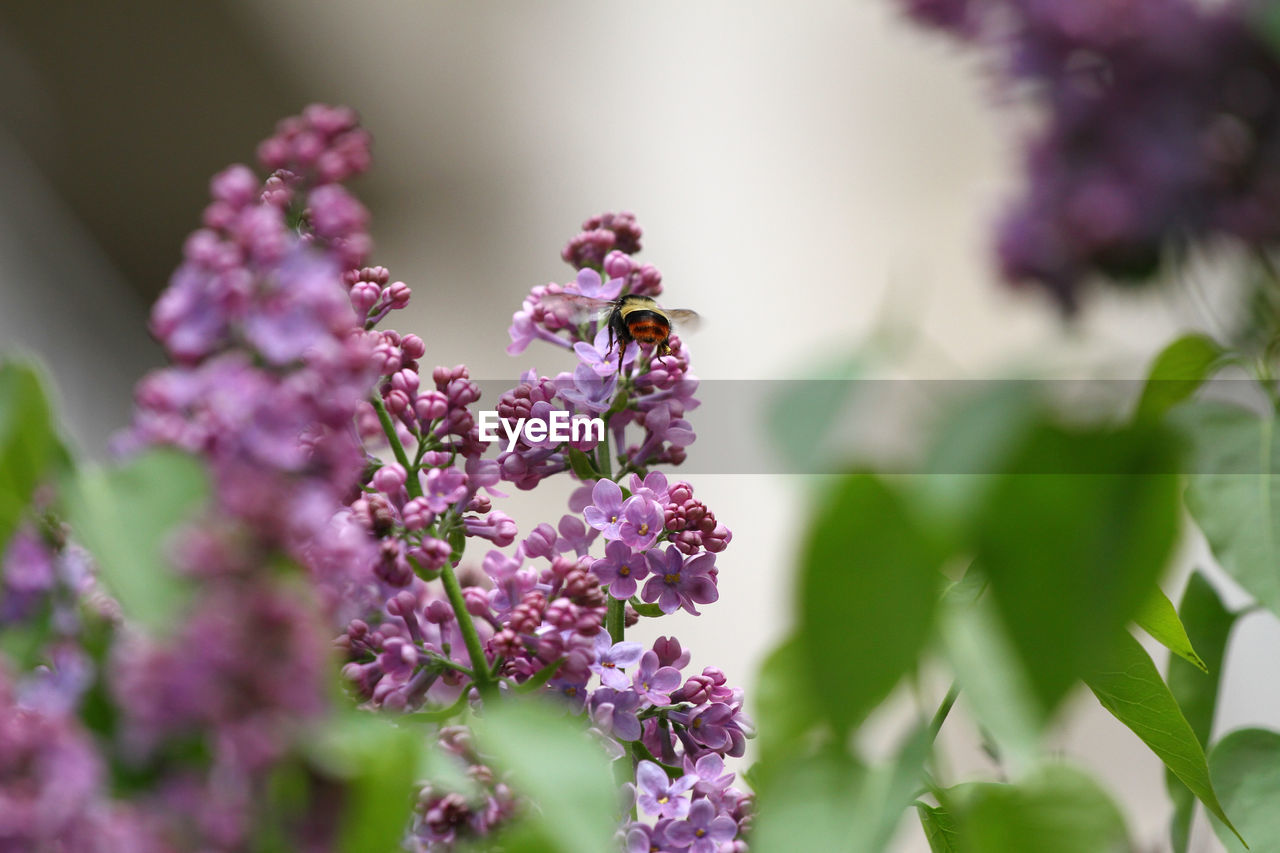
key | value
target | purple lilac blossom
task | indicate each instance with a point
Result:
(612, 658)
(605, 513)
(658, 795)
(620, 569)
(675, 583)
(704, 830)
(1161, 130)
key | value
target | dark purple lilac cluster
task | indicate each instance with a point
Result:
(1161, 128)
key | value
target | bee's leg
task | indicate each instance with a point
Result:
(609, 351)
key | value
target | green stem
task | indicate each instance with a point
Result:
(614, 619)
(483, 678)
(940, 716)
(388, 427)
(603, 463)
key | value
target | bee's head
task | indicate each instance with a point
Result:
(635, 300)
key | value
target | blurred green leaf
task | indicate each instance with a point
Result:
(377, 758)
(1234, 494)
(1157, 617)
(785, 709)
(825, 802)
(974, 441)
(995, 687)
(1177, 372)
(1058, 810)
(1073, 537)
(125, 516)
(1208, 625)
(811, 802)
(28, 445)
(804, 441)
(1265, 18)
(940, 828)
(868, 588)
(1127, 684)
(888, 791)
(1246, 770)
(554, 762)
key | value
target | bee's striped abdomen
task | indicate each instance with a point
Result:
(647, 327)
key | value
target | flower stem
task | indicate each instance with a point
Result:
(940, 716)
(603, 463)
(384, 418)
(483, 678)
(614, 618)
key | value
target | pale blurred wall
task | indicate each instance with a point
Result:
(798, 170)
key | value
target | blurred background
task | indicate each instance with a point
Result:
(802, 179)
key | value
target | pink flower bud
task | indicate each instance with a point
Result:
(413, 347)
(364, 295)
(398, 294)
(397, 401)
(390, 478)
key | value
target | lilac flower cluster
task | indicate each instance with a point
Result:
(1162, 127)
(548, 612)
(270, 364)
(332, 449)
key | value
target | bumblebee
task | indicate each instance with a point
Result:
(629, 318)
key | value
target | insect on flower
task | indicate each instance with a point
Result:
(629, 318)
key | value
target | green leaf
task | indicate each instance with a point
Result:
(940, 828)
(826, 802)
(1129, 687)
(556, 764)
(457, 540)
(888, 791)
(804, 442)
(868, 589)
(1234, 494)
(582, 466)
(1177, 372)
(1059, 810)
(125, 516)
(28, 445)
(785, 710)
(1246, 768)
(1157, 617)
(973, 444)
(620, 401)
(378, 759)
(653, 611)
(1209, 626)
(1265, 18)
(811, 803)
(994, 685)
(1073, 537)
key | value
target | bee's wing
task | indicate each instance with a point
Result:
(684, 318)
(574, 306)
